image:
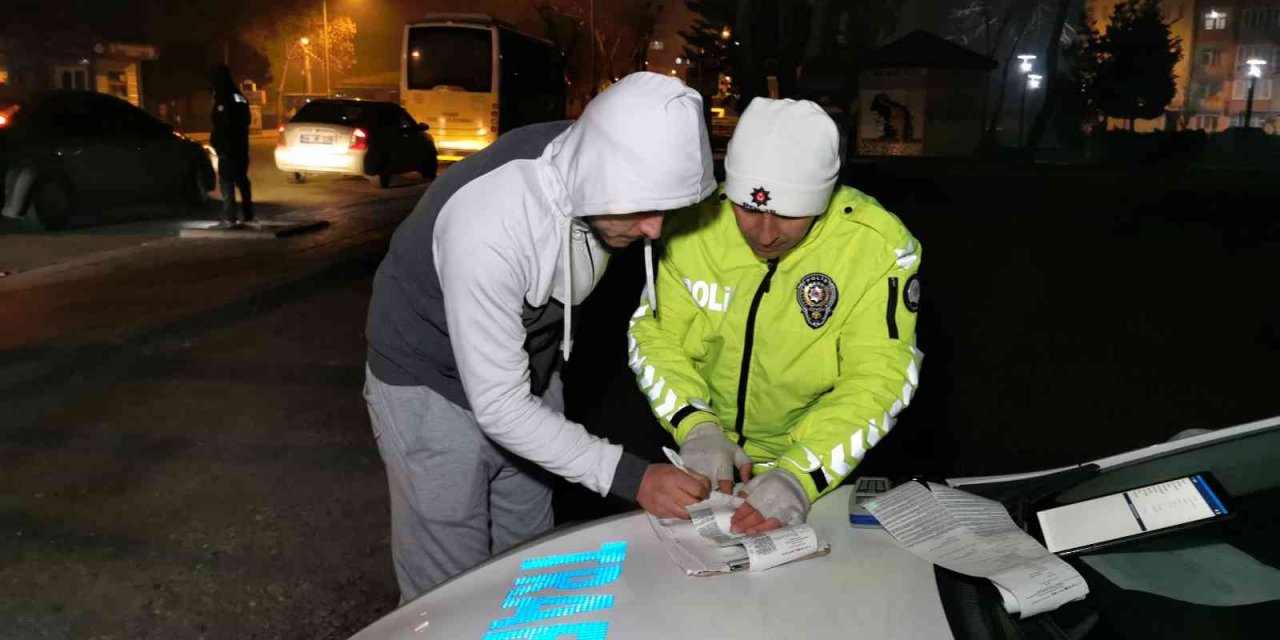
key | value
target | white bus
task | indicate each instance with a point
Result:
(472, 78)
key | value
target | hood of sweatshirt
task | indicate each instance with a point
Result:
(640, 146)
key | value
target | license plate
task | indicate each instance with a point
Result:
(311, 138)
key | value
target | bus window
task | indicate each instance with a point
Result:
(456, 57)
(532, 85)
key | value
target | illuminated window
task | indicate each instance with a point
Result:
(1256, 51)
(1215, 20)
(657, 45)
(1210, 57)
(1240, 89)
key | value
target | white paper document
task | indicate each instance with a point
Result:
(975, 536)
(704, 546)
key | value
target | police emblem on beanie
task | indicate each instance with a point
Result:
(817, 295)
(759, 198)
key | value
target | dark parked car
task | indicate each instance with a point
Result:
(355, 137)
(64, 152)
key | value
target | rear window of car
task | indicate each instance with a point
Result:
(333, 113)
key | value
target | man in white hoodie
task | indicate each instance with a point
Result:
(472, 306)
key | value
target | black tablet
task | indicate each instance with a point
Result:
(1138, 513)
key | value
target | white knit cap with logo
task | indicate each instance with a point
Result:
(783, 158)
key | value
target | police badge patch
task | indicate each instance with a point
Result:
(817, 296)
(911, 293)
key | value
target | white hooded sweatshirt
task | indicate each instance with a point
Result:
(505, 244)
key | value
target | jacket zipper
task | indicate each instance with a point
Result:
(740, 420)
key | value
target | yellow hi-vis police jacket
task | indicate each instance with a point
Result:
(805, 361)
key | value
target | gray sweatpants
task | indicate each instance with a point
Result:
(456, 497)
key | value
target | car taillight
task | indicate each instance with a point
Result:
(280, 141)
(359, 140)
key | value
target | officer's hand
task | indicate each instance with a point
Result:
(775, 498)
(665, 491)
(748, 520)
(707, 451)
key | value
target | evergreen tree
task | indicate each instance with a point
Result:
(1135, 60)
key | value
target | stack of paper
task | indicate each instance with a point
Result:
(975, 536)
(704, 546)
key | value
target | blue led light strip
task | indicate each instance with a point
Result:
(597, 630)
(609, 553)
(532, 609)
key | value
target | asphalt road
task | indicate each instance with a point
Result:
(23, 249)
(214, 481)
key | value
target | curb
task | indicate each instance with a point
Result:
(266, 230)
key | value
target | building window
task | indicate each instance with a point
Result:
(1240, 89)
(1207, 123)
(657, 45)
(1260, 51)
(1210, 57)
(1261, 18)
(1215, 20)
(118, 84)
(1257, 122)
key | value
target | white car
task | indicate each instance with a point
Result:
(613, 579)
(354, 137)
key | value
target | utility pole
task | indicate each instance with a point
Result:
(328, 82)
(306, 61)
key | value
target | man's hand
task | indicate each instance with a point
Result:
(707, 451)
(665, 491)
(774, 499)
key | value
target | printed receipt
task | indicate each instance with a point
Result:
(975, 536)
(780, 546)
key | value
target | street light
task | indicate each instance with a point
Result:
(725, 33)
(1025, 65)
(306, 60)
(1255, 72)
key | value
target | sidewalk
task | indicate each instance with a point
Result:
(203, 136)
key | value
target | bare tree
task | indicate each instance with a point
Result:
(1052, 54)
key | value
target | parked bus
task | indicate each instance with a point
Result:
(472, 78)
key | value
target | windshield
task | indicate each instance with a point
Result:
(456, 57)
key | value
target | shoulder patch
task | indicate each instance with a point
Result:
(911, 293)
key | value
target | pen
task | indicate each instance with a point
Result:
(675, 459)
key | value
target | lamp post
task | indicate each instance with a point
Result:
(1255, 72)
(1025, 68)
(306, 60)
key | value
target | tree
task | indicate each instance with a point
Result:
(1082, 81)
(1135, 60)
(709, 42)
(279, 40)
(1052, 81)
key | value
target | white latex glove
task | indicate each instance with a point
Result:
(707, 451)
(778, 494)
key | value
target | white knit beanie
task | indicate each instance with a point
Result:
(783, 158)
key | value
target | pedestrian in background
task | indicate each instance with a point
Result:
(230, 139)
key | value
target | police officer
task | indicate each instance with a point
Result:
(230, 138)
(783, 343)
